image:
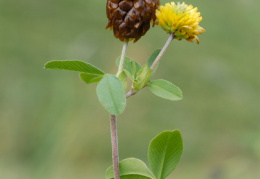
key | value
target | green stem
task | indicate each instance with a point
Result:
(166, 45)
(122, 59)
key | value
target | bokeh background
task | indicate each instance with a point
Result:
(52, 125)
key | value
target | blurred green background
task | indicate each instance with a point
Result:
(52, 125)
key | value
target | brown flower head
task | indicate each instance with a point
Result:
(130, 19)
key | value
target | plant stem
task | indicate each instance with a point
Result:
(114, 141)
(122, 59)
(130, 93)
(156, 61)
(113, 123)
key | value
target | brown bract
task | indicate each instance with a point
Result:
(130, 19)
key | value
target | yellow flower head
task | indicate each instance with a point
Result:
(180, 19)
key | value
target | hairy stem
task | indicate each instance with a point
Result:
(113, 123)
(130, 93)
(114, 141)
(122, 59)
(166, 45)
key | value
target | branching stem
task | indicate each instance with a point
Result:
(113, 123)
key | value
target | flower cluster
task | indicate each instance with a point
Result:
(180, 19)
(130, 19)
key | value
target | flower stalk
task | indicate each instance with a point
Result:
(122, 59)
(166, 45)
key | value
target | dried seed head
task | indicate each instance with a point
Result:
(130, 19)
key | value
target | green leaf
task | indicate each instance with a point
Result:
(164, 153)
(134, 177)
(74, 65)
(131, 67)
(123, 78)
(129, 75)
(153, 57)
(131, 168)
(165, 89)
(111, 94)
(90, 78)
(143, 76)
